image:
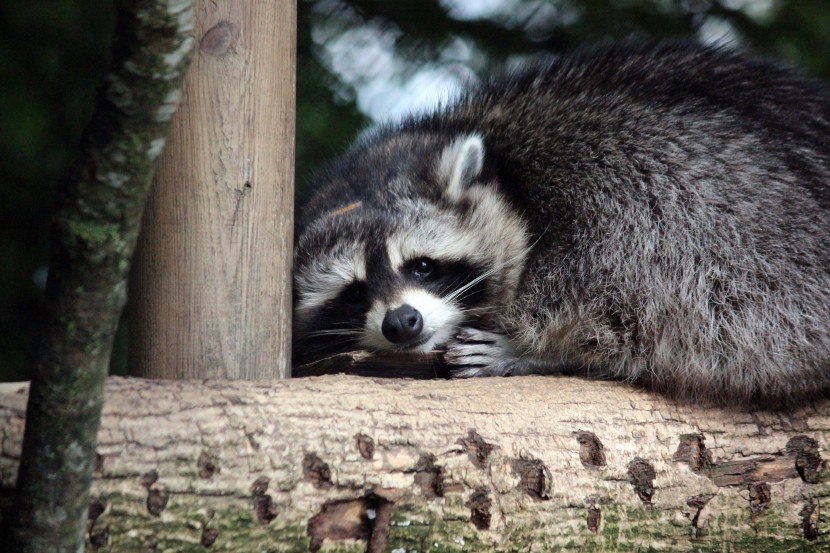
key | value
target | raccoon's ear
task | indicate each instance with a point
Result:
(461, 164)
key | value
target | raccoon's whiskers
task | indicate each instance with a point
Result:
(455, 295)
(482, 309)
(313, 348)
(490, 272)
(335, 332)
(476, 312)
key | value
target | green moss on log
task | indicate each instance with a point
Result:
(624, 530)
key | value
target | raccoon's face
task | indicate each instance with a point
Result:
(403, 273)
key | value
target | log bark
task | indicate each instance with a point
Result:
(210, 294)
(95, 226)
(503, 464)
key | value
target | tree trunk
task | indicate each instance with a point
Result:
(95, 226)
(210, 294)
(499, 464)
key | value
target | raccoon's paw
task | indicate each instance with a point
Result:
(475, 352)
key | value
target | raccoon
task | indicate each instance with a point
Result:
(656, 213)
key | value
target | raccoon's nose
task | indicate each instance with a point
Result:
(402, 324)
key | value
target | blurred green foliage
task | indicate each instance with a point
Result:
(53, 54)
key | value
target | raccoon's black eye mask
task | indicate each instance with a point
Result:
(354, 295)
(421, 268)
(443, 278)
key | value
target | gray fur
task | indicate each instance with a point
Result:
(668, 216)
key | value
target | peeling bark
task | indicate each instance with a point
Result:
(96, 222)
(481, 465)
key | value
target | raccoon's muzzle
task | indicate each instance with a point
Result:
(402, 324)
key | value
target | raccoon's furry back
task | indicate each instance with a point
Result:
(678, 202)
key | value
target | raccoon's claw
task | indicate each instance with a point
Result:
(475, 352)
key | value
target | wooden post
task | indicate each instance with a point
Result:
(210, 293)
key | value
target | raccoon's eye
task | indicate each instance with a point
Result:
(354, 295)
(423, 267)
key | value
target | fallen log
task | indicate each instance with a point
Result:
(499, 464)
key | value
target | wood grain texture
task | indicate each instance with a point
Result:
(500, 464)
(211, 290)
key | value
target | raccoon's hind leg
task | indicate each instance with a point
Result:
(476, 352)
